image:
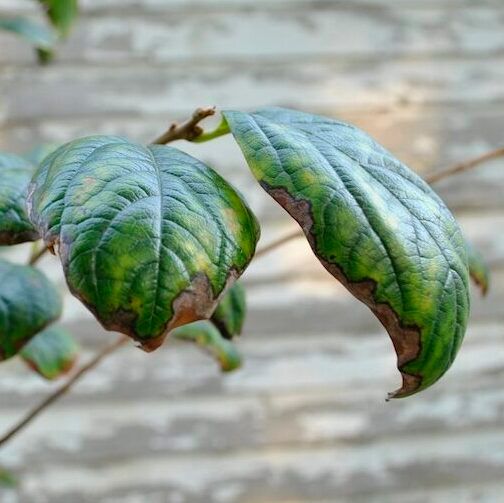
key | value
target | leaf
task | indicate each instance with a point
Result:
(373, 224)
(15, 175)
(229, 315)
(51, 353)
(61, 14)
(35, 33)
(478, 269)
(206, 335)
(149, 237)
(28, 303)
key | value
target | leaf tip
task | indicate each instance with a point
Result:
(410, 385)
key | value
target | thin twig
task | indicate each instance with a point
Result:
(35, 257)
(278, 242)
(63, 389)
(464, 166)
(188, 130)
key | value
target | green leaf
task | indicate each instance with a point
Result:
(15, 175)
(35, 33)
(28, 303)
(230, 313)
(61, 14)
(149, 237)
(374, 224)
(206, 335)
(478, 268)
(51, 353)
(7, 479)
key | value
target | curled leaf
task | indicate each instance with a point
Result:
(230, 313)
(15, 175)
(478, 268)
(206, 335)
(28, 303)
(373, 224)
(51, 353)
(149, 237)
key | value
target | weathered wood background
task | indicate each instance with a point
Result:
(305, 420)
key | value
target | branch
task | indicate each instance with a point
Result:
(37, 255)
(28, 418)
(464, 166)
(279, 242)
(188, 130)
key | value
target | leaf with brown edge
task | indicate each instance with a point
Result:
(478, 269)
(373, 224)
(206, 335)
(149, 237)
(51, 353)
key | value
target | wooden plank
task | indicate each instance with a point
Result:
(219, 423)
(355, 367)
(282, 475)
(189, 6)
(296, 35)
(347, 87)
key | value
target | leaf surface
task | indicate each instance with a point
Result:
(15, 175)
(207, 336)
(51, 353)
(28, 303)
(230, 313)
(149, 237)
(373, 224)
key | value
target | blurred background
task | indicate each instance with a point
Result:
(305, 420)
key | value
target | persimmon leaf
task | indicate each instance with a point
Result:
(28, 303)
(51, 353)
(373, 224)
(149, 237)
(478, 268)
(230, 313)
(206, 335)
(15, 175)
